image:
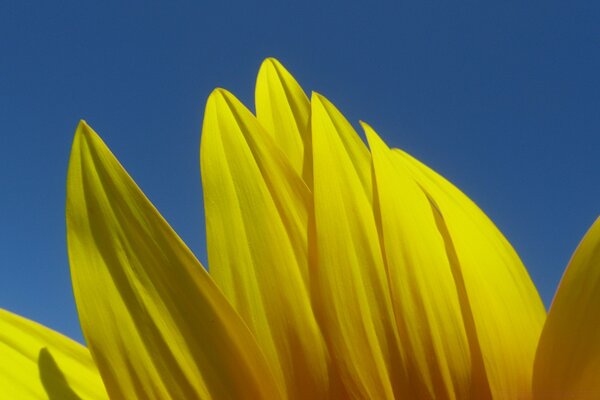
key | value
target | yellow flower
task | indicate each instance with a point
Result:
(336, 272)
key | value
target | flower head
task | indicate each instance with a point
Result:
(337, 270)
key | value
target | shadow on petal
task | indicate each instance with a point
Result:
(53, 380)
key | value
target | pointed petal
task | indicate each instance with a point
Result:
(353, 146)
(256, 216)
(155, 323)
(38, 363)
(424, 293)
(284, 110)
(567, 363)
(502, 304)
(351, 289)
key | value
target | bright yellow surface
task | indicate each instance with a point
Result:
(424, 294)
(502, 309)
(156, 325)
(567, 364)
(256, 219)
(37, 363)
(339, 273)
(284, 111)
(351, 287)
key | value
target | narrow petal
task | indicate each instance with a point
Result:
(256, 217)
(350, 285)
(567, 363)
(422, 285)
(155, 323)
(356, 152)
(38, 363)
(284, 110)
(501, 307)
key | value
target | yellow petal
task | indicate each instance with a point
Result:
(502, 309)
(567, 363)
(38, 363)
(284, 110)
(256, 218)
(352, 145)
(422, 285)
(351, 288)
(155, 323)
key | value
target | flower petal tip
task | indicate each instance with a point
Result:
(316, 96)
(218, 92)
(270, 62)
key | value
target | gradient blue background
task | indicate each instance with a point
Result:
(503, 99)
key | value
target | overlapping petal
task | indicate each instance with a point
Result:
(338, 273)
(256, 216)
(350, 283)
(155, 323)
(284, 111)
(567, 363)
(37, 363)
(423, 290)
(502, 309)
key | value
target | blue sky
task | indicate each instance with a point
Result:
(503, 99)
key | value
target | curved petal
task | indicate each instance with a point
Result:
(567, 363)
(155, 323)
(256, 218)
(422, 285)
(356, 152)
(284, 110)
(502, 309)
(38, 363)
(350, 286)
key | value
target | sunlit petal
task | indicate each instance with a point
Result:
(350, 283)
(38, 363)
(567, 363)
(284, 110)
(424, 293)
(155, 323)
(501, 307)
(256, 217)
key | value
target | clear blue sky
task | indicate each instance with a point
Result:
(503, 99)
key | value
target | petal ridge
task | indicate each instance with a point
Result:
(148, 309)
